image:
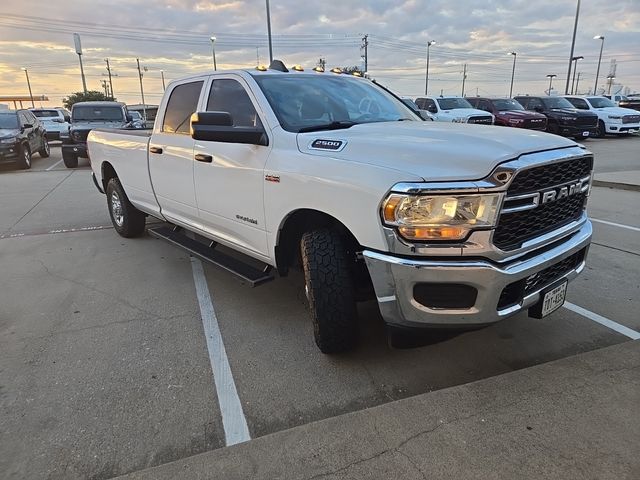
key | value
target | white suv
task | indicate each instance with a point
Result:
(611, 119)
(52, 120)
(453, 109)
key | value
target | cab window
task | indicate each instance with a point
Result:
(229, 96)
(579, 103)
(182, 103)
(535, 103)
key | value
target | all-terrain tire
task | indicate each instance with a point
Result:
(127, 220)
(24, 162)
(330, 291)
(70, 160)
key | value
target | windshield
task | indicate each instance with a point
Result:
(601, 102)
(557, 102)
(504, 104)
(97, 113)
(135, 115)
(304, 102)
(8, 120)
(46, 113)
(453, 103)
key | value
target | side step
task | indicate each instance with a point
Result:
(252, 275)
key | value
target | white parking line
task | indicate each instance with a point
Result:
(233, 419)
(614, 224)
(603, 321)
(54, 165)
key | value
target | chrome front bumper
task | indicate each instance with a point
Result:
(394, 279)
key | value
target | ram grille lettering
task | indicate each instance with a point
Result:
(564, 191)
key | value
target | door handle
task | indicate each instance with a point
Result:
(201, 157)
(157, 150)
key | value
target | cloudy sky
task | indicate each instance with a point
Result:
(173, 36)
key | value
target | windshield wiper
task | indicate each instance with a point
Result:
(328, 126)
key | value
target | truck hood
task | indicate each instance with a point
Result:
(430, 150)
(462, 113)
(616, 111)
(97, 124)
(524, 114)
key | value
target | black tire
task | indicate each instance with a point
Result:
(601, 131)
(25, 157)
(127, 220)
(70, 160)
(44, 152)
(330, 290)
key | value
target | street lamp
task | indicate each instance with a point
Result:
(575, 67)
(598, 37)
(26, 72)
(551, 76)
(426, 82)
(269, 32)
(213, 48)
(513, 72)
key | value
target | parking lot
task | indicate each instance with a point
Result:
(105, 366)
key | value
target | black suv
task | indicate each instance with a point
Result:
(562, 117)
(21, 134)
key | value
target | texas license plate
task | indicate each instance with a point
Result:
(551, 300)
(585, 134)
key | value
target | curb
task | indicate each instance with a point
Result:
(616, 185)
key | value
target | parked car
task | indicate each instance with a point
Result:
(509, 113)
(21, 135)
(412, 105)
(53, 121)
(453, 109)
(611, 119)
(632, 102)
(86, 116)
(562, 117)
(443, 225)
(137, 120)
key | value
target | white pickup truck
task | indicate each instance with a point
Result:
(445, 225)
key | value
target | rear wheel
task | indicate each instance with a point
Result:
(330, 291)
(25, 157)
(44, 151)
(70, 160)
(127, 219)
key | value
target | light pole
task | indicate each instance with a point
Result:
(78, 45)
(573, 44)
(426, 81)
(110, 80)
(26, 72)
(513, 72)
(551, 76)
(269, 32)
(598, 37)
(213, 49)
(162, 76)
(575, 67)
(144, 105)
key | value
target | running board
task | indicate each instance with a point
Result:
(250, 274)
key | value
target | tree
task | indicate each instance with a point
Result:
(90, 96)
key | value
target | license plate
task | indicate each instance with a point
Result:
(551, 300)
(585, 134)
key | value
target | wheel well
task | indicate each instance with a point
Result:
(108, 172)
(287, 250)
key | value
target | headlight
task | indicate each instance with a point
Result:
(76, 136)
(516, 120)
(8, 140)
(439, 217)
(614, 117)
(460, 120)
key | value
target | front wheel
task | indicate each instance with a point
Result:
(44, 151)
(70, 160)
(127, 219)
(330, 291)
(601, 130)
(25, 157)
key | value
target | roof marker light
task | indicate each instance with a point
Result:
(336, 70)
(261, 68)
(297, 68)
(318, 69)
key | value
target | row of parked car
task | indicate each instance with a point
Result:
(570, 116)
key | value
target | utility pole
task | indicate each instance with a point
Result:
(464, 78)
(257, 56)
(213, 49)
(110, 80)
(573, 44)
(162, 76)
(26, 72)
(598, 37)
(78, 45)
(513, 72)
(269, 33)
(577, 82)
(575, 67)
(144, 105)
(426, 79)
(105, 87)
(365, 44)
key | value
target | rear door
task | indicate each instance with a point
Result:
(230, 184)
(171, 154)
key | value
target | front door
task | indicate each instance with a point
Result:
(230, 188)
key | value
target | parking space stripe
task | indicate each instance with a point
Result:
(54, 165)
(632, 334)
(614, 224)
(233, 419)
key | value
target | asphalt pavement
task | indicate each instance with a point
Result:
(106, 368)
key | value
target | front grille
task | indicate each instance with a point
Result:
(515, 228)
(587, 121)
(540, 123)
(481, 119)
(513, 293)
(631, 119)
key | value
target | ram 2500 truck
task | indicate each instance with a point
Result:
(444, 225)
